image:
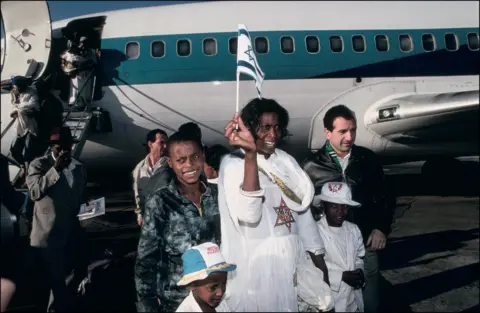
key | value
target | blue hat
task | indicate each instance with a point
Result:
(20, 81)
(201, 261)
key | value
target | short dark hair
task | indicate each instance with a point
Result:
(182, 136)
(21, 82)
(214, 154)
(254, 109)
(337, 111)
(152, 135)
(192, 128)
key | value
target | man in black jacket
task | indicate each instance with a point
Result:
(340, 160)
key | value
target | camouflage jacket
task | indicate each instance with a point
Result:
(171, 225)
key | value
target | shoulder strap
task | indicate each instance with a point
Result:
(273, 178)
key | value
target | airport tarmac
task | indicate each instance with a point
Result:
(431, 262)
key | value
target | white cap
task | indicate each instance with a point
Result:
(336, 192)
(202, 260)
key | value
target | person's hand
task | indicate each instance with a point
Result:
(376, 241)
(240, 138)
(355, 278)
(62, 161)
(139, 220)
(14, 114)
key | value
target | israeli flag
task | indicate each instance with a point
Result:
(246, 59)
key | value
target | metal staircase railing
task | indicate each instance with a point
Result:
(83, 117)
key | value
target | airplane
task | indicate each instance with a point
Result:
(409, 71)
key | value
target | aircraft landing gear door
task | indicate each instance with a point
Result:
(28, 38)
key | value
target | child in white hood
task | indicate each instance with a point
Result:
(205, 274)
(344, 248)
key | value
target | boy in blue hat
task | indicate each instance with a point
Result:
(205, 275)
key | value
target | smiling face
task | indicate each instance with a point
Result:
(186, 160)
(268, 133)
(210, 291)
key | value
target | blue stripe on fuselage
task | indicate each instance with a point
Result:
(299, 65)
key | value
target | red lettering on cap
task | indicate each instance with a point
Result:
(335, 187)
(212, 250)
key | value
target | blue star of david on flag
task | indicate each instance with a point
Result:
(246, 60)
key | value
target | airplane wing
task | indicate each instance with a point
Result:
(425, 118)
(27, 41)
(410, 119)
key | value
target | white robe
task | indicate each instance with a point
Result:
(266, 255)
(28, 106)
(344, 251)
(189, 304)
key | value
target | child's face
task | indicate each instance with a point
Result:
(211, 289)
(186, 160)
(335, 213)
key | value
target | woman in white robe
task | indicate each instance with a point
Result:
(265, 231)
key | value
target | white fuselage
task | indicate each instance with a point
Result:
(137, 108)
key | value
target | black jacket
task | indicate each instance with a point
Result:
(12, 199)
(364, 175)
(11, 202)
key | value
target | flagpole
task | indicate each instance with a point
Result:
(238, 97)
(238, 92)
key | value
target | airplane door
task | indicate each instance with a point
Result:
(28, 35)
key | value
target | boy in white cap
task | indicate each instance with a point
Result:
(344, 248)
(205, 274)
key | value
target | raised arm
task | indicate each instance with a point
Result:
(241, 184)
(243, 206)
(242, 138)
(40, 179)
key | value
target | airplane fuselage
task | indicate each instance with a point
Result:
(164, 66)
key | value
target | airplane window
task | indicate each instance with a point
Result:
(210, 46)
(132, 50)
(183, 48)
(232, 45)
(287, 44)
(157, 49)
(473, 41)
(261, 45)
(451, 42)
(358, 43)
(312, 43)
(336, 43)
(381, 42)
(406, 44)
(428, 42)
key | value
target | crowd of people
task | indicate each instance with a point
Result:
(291, 237)
(241, 229)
